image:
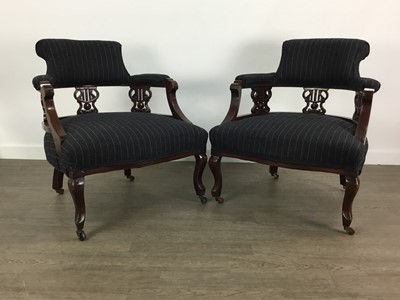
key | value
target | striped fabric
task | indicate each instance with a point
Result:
(113, 139)
(73, 63)
(293, 138)
(331, 63)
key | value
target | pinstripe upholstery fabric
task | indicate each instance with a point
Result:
(294, 138)
(330, 63)
(73, 63)
(112, 139)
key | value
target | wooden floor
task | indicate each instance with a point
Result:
(153, 239)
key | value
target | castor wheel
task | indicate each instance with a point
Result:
(203, 199)
(131, 177)
(60, 191)
(81, 235)
(275, 175)
(349, 230)
(219, 199)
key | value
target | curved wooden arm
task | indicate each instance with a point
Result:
(365, 111)
(51, 118)
(236, 94)
(171, 87)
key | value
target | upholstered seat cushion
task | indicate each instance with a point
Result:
(293, 138)
(112, 139)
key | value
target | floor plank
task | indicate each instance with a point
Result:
(153, 239)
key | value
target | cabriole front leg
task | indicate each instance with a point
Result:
(201, 161)
(215, 165)
(76, 188)
(352, 185)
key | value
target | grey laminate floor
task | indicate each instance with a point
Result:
(152, 238)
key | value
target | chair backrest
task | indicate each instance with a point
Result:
(325, 63)
(72, 63)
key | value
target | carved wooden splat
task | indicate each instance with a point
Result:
(315, 99)
(86, 97)
(140, 96)
(260, 96)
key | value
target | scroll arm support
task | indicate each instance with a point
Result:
(171, 86)
(236, 94)
(51, 118)
(365, 111)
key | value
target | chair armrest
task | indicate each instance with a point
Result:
(51, 118)
(171, 86)
(369, 83)
(153, 80)
(236, 94)
(36, 81)
(365, 111)
(254, 80)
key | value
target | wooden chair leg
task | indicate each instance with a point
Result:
(352, 186)
(201, 161)
(273, 170)
(343, 181)
(58, 181)
(128, 174)
(215, 165)
(76, 188)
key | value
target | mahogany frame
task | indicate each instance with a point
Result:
(76, 179)
(349, 180)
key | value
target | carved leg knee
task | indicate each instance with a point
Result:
(128, 174)
(273, 170)
(215, 166)
(58, 181)
(352, 186)
(76, 188)
(201, 161)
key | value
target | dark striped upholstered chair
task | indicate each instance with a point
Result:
(92, 142)
(311, 140)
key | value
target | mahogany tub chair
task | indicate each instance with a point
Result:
(91, 142)
(307, 140)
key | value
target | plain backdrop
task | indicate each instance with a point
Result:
(201, 44)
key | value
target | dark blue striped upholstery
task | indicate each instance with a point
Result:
(73, 63)
(116, 139)
(293, 138)
(330, 63)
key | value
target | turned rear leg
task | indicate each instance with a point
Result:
(215, 166)
(273, 170)
(352, 186)
(201, 161)
(76, 188)
(343, 181)
(128, 174)
(58, 181)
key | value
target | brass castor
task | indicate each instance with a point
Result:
(349, 230)
(60, 191)
(219, 199)
(131, 177)
(275, 175)
(203, 199)
(81, 235)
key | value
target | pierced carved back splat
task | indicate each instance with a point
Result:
(86, 97)
(260, 96)
(315, 99)
(140, 96)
